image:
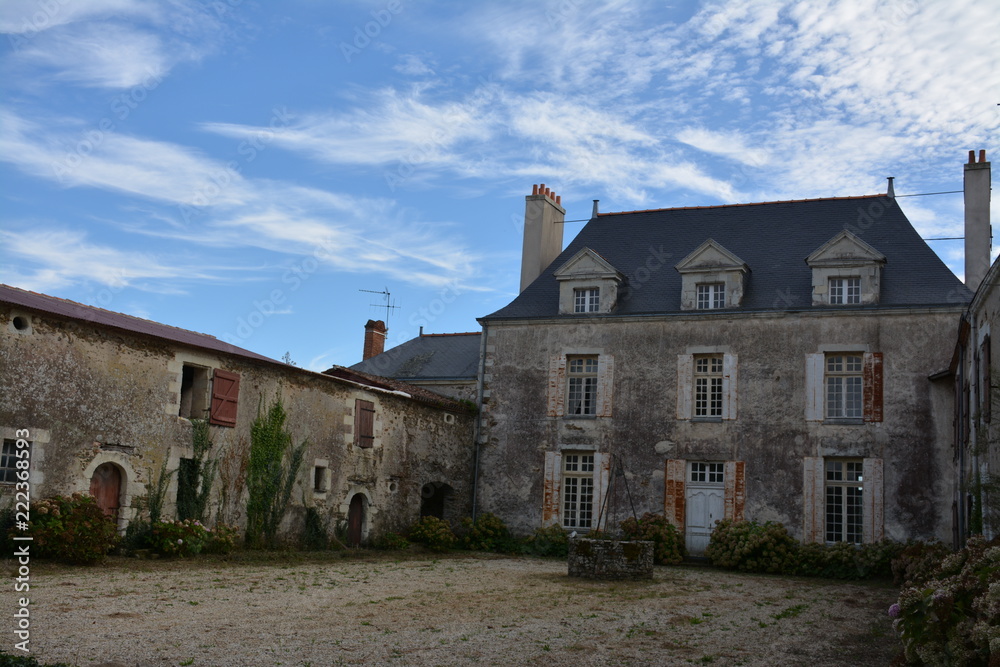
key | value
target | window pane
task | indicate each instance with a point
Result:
(834, 513)
(834, 397)
(853, 403)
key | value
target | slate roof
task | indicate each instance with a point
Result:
(71, 309)
(427, 357)
(773, 238)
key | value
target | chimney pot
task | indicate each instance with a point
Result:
(374, 339)
(982, 155)
(559, 199)
(972, 157)
(891, 192)
(594, 214)
(534, 189)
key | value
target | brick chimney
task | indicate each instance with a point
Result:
(374, 338)
(543, 232)
(978, 234)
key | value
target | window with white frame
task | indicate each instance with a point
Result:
(587, 300)
(708, 385)
(844, 500)
(710, 473)
(711, 295)
(582, 385)
(845, 291)
(8, 461)
(578, 490)
(844, 386)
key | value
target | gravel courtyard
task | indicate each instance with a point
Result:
(450, 610)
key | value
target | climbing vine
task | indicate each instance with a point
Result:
(196, 475)
(273, 466)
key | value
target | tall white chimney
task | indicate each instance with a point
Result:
(978, 235)
(543, 232)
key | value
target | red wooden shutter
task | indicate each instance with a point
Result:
(872, 379)
(225, 398)
(987, 388)
(673, 492)
(364, 423)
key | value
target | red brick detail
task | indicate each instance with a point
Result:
(813, 499)
(557, 386)
(872, 380)
(673, 495)
(735, 491)
(374, 338)
(550, 488)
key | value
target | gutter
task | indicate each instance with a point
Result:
(480, 390)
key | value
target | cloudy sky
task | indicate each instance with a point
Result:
(245, 169)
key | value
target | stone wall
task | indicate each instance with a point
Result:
(610, 559)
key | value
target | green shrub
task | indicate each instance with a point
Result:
(314, 533)
(668, 543)
(953, 618)
(487, 533)
(7, 660)
(433, 533)
(391, 542)
(72, 529)
(138, 535)
(752, 547)
(222, 539)
(179, 538)
(917, 562)
(547, 541)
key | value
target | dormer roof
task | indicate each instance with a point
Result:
(711, 256)
(845, 249)
(587, 265)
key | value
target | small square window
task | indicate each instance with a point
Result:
(711, 473)
(319, 479)
(845, 291)
(587, 300)
(711, 296)
(8, 462)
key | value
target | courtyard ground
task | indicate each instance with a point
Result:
(422, 609)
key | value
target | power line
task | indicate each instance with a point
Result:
(924, 194)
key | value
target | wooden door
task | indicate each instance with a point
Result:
(106, 487)
(355, 520)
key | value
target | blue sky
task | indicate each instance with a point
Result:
(244, 169)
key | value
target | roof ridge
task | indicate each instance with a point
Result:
(103, 310)
(760, 203)
(463, 333)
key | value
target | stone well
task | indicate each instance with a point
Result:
(610, 559)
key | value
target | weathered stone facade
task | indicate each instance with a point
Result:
(90, 393)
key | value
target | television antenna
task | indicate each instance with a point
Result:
(389, 304)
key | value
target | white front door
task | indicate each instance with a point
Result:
(705, 491)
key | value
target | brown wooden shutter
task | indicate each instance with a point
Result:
(364, 423)
(987, 387)
(225, 398)
(872, 379)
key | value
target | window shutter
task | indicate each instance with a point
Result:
(685, 375)
(557, 386)
(550, 488)
(673, 493)
(225, 398)
(813, 499)
(814, 387)
(605, 382)
(873, 529)
(987, 401)
(364, 423)
(729, 386)
(602, 475)
(872, 380)
(735, 491)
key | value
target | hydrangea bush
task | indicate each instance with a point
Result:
(72, 529)
(487, 533)
(752, 547)
(668, 544)
(952, 617)
(433, 533)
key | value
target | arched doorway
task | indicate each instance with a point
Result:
(106, 487)
(356, 520)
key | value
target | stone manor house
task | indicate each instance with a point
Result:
(811, 362)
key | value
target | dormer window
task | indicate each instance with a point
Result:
(588, 284)
(587, 300)
(711, 278)
(845, 291)
(711, 295)
(846, 271)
